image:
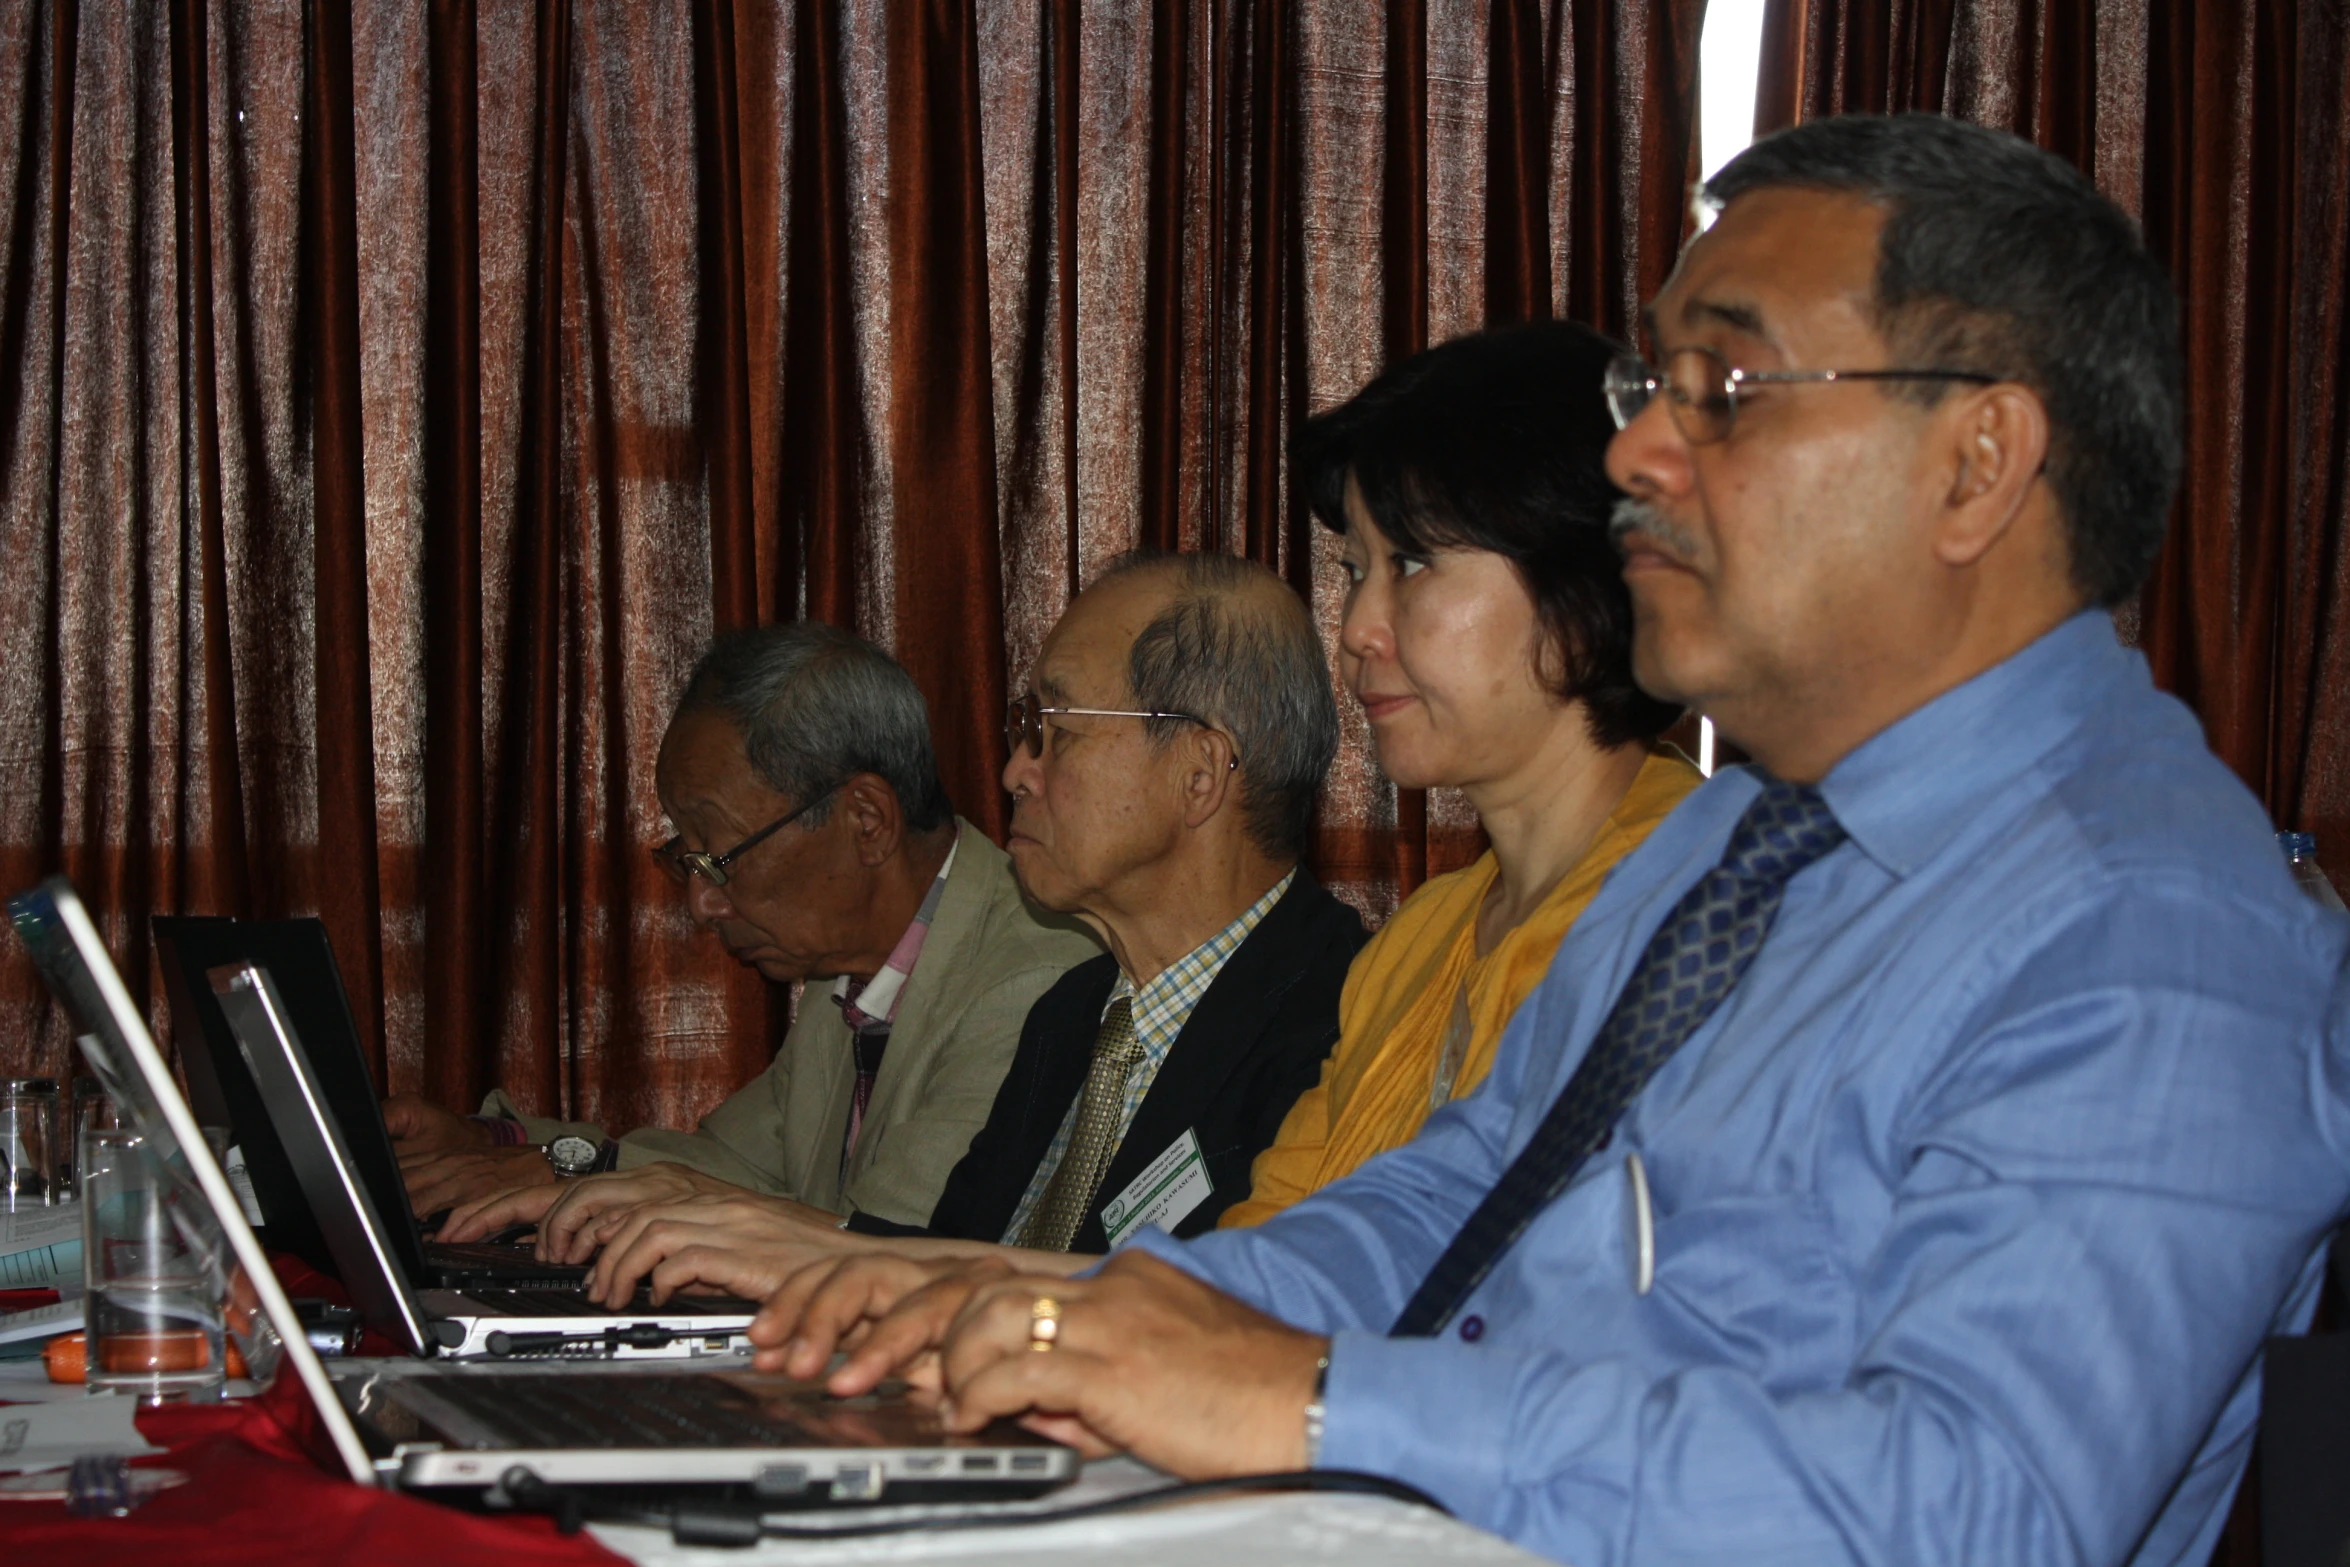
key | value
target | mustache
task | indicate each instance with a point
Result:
(1638, 516)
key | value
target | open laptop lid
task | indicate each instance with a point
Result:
(312, 1135)
(316, 1012)
(223, 1094)
(54, 926)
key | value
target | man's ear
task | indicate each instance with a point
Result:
(875, 819)
(1998, 451)
(1207, 776)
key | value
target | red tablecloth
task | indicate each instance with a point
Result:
(255, 1493)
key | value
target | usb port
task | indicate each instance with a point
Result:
(1028, 1463)
(979, 1464)
(925, 1463)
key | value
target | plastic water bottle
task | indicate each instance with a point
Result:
(2301, 858)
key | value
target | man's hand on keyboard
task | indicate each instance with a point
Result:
(485, 1216)
(586, 1210)
(420, 1127)
(727, 1239)
(890, 1306)
(447, 1179)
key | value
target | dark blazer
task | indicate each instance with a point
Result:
(1253, 1044)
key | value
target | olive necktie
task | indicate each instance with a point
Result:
(1054, 1221)
(1696, 955)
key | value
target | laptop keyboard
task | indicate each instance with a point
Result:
(575, 1303)
(464, 1265)
(540, 1303)
(620, 1411)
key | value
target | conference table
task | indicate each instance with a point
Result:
(255, 1493)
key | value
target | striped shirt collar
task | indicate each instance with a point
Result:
(877, 1001)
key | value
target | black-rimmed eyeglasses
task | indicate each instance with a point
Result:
(685, 864)
(1701, 388)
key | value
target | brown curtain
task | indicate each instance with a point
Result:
(396, 396)
(2224, 125)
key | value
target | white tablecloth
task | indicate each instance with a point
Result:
(1247, 1531)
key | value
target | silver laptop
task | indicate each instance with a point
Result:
(500, 1323)
(487, 1428)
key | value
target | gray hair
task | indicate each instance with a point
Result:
(816, 705)
(1222, 652)
(2004, 259)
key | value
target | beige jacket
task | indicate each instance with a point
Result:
(987, 958)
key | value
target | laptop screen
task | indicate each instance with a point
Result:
(64, 944)
(317, 1012)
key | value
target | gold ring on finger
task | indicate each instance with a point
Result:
(1044, 1323)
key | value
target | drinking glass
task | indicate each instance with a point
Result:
(151, 1258)
(28, 1112)
(88, 1108)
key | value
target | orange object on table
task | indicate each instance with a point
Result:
(67, 1357)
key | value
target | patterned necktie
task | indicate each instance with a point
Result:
(1691, 962)
(1053, 1223)
(868, 1041)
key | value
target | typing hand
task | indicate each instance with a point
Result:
(574, 1227)
(419, 1128)
(892, 1311)
(890, 1305)
(730, 1240)
(447, 1179)
(485, 1216)
(1145, 1359)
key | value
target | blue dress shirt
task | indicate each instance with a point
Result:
(1972, 1203)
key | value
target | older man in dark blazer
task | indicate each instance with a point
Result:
(1165, 761)
(1164, 767)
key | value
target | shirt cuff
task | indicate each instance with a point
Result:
(504, 1131)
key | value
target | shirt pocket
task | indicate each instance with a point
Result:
(1751, 1280)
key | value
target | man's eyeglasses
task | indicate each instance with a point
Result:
(685, 864)
(1024, 722)
(1702, 388)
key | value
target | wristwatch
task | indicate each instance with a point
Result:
(571, 1155)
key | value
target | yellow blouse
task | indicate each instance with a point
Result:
(1402, 993)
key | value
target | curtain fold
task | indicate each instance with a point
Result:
(2225, 129)
(399, 395)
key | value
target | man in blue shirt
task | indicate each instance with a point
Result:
(1909, 1150)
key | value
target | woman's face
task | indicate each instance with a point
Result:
(1440, 650)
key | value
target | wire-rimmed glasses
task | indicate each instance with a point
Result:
(1701, 388)
(1024, 720)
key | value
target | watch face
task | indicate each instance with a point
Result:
(571, 1155)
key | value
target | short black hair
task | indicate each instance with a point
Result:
(1998, 257)
(1498, 441)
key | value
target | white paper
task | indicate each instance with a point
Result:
(35, 1437)
(66, 1316)
(241, 1182)
(30, 1227)
(41, 1248)
(1169, 1187)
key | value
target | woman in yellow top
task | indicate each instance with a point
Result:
(1488, 635)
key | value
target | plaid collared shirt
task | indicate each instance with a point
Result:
(1161, 1008)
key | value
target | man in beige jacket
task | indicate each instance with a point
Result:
(814, 839)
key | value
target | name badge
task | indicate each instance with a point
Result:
(1168, 1188)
